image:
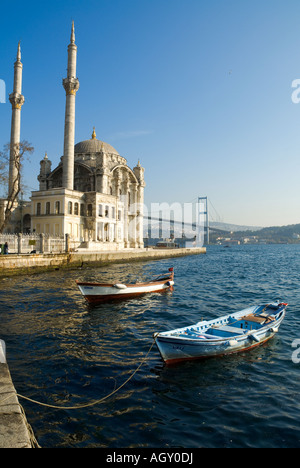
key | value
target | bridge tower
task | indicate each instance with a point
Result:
(203, 216)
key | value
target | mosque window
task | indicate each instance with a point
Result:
(47, 208)
(100, 210)
(106, 232)
(57, 207)
(70, 208)
(82, 210)
(38, 209)
(90, 210)
(106, 211)
(76, 209)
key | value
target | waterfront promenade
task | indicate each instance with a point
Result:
(12, 265)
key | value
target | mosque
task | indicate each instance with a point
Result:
(92, 195)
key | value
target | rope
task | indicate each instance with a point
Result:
(86, 405)
(33, 441)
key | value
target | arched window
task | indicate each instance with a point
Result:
(26, 224)
(70, 208)
(47, 208)
(57, 207)
(90, 210)
(38, 209)
(76, 208)
(106, 232)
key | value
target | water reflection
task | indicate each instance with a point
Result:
(63, 352)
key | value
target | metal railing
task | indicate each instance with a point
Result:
(37, 243)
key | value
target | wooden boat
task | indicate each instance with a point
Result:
(236, 332)
(96, 293)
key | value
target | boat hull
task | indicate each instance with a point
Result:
(95, 294)
(177, 349)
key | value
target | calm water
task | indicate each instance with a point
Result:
(63, 353)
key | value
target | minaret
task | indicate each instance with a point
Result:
(17, 101)
(71, 85)
(139, 172)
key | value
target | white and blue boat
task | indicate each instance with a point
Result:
(239, 331)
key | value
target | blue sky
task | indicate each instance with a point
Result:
(199, 91)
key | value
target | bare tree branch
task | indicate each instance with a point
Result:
(20, 150)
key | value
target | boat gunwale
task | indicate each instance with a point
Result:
(134, 285)
(167, 337)
(212, 341)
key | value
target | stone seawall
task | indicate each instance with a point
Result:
(12, 265)
(14, 430)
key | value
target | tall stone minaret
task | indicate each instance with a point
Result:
(17, 100)
(71, 85)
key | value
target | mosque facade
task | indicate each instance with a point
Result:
(92, 195)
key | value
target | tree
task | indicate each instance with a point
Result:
(19, 153)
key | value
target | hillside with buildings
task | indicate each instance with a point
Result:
(269, 235)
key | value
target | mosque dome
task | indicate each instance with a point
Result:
(94, 146)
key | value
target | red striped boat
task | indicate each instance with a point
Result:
(95, 293)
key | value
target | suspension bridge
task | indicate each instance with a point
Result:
(188, 221)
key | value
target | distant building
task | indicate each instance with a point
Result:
(92, 195)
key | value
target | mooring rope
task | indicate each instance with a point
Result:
(86, 405)
(34, 443)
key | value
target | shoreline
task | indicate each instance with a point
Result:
(14, 429)
(24, 264)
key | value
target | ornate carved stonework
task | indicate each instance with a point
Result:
(71, 85)
(17, 100)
